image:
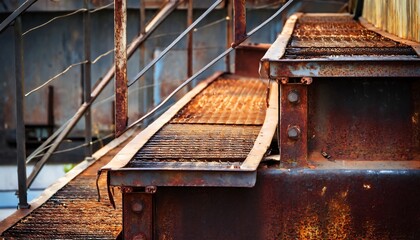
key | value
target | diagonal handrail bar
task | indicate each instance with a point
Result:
(168, 48)
(151, 26)
(222, 55)
(11, 18)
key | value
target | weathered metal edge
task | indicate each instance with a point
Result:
(278, 48)
(366, 165)
(127, 153)
(356, 165)
(268, 129)
(61, 182)
(371, 27)
(344, 69)
(129, 177)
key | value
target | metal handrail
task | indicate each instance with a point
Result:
(222, 55)
(60, 134)
(12, 17)
(151, 26)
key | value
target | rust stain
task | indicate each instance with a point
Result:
(121, 89)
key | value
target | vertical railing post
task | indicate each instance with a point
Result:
(20, 125)
(190, 42)
(229, 38)
(240, 21)
(143, 95)
(121, 88)
(87, 81)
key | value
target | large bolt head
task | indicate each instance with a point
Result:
(137, 207)
(293, 96)
(293, 132)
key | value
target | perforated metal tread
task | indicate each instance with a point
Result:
(325, 36)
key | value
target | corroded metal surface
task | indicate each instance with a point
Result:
(224, 152)
(332, 45)
(238, 101)
(364, 118)
(121, 88)
(318, 36)
(74, 211)
(239, 12)
(196, 142)
(138, 215)
(293, 124)
(295, 204)
(247, 58)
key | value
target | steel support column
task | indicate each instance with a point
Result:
(87, 80)
(293, 123)
(20, 124)
(240, 21)
(137, 215)
(121, 89)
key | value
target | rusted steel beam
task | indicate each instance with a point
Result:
(121, 89)
(345, 68)
(293, 124)
(20, 123)
(296, 204)
(87, 79)
(137, 215)
(239, 13)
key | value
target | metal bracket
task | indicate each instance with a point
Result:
(137, 215)
(293, 120)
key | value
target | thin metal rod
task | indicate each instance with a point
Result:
(87, 79)
(229, 33)
(121, 89)
(144, 96)
(164, 52)
(222, 55)
(190, 40)
(20, 125)
(64, 130)
(6, 22)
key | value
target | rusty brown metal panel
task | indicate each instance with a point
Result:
(364, 119)
(197, 142)
(121, 89)
(293, 123)
(230, 100)
(247, 59)
(296, 204)
(137, 215)
(239, 12)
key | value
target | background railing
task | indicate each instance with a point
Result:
(205, 52)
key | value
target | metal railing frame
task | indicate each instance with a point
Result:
(122, 53)
(89, 97)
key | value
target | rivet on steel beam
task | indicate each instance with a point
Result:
(284, 80)
(306, 80)
(150, 189)
(293, 132)
(137, 207)
(293, 96)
